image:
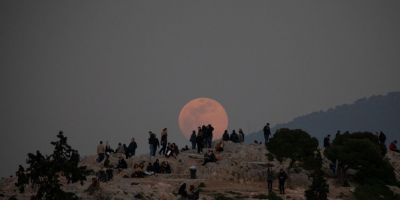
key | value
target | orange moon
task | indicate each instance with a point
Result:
(203, 111)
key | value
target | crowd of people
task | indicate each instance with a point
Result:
(200, 139)
(234, 137)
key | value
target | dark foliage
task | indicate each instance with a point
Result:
(360, 151)
(295, 144)
(318, 189)
(43, 172)
(374, 192)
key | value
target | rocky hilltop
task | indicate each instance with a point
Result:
(239, 173)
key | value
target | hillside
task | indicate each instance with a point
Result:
(375, 113)
(239, 173)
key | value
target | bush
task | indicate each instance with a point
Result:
(318, 189)
(374, 192)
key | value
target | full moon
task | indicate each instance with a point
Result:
(203, 111)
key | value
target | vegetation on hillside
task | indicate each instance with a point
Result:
(44, 171)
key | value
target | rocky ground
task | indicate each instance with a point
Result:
(239, 174)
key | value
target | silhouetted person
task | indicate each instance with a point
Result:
(109, 150)
(132, 148)
(156, 166)
(225, 136)
(270, 179)
(182, 191)
(327, 141)
(282, 179)
(122, 163)
(267, 133)
(219, 147)
(153, 143)
(120, 149)
(199, 140)
(101, 150)
(193, 139)
(393, 146)
(382, 138)
(164, 141)
(234, 137)
(241, 135)
(209, 130)
(209, 157)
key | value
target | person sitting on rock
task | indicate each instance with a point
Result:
(101, 175)
(137, 172)
(120, 149)
(122, 163)
(165, 168)
(234, 137)
(182, 191)
(93, 187)
(186, 148)
(156, 166)
(109, 150)
(149, 169)
(170, 151)
(219, 147)
(209, 157)
(225, 136)
(175, 149)
(193, 193)
(393, 146)
(107, 163)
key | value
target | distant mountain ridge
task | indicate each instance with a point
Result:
(375, 113)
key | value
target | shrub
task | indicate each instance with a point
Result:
(374, 192)
(318, 189)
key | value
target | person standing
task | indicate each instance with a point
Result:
(282, 179)
(241, 135)
(270, 179)
(101, 150)
(164, 140)
(209, 130)
(193, 139)
(132, 148)
(327, 141)
(267, 133)
(153, 143)
(199, 140)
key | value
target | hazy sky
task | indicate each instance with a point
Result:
(113, 70)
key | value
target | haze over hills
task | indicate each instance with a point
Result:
(375, 113)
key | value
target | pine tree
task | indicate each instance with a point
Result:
(43, 172)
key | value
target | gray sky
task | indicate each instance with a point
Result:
(113, 70)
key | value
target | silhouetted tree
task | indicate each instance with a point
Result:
(318, 189)
(295, 144)
(360, 151)
(43, 172)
